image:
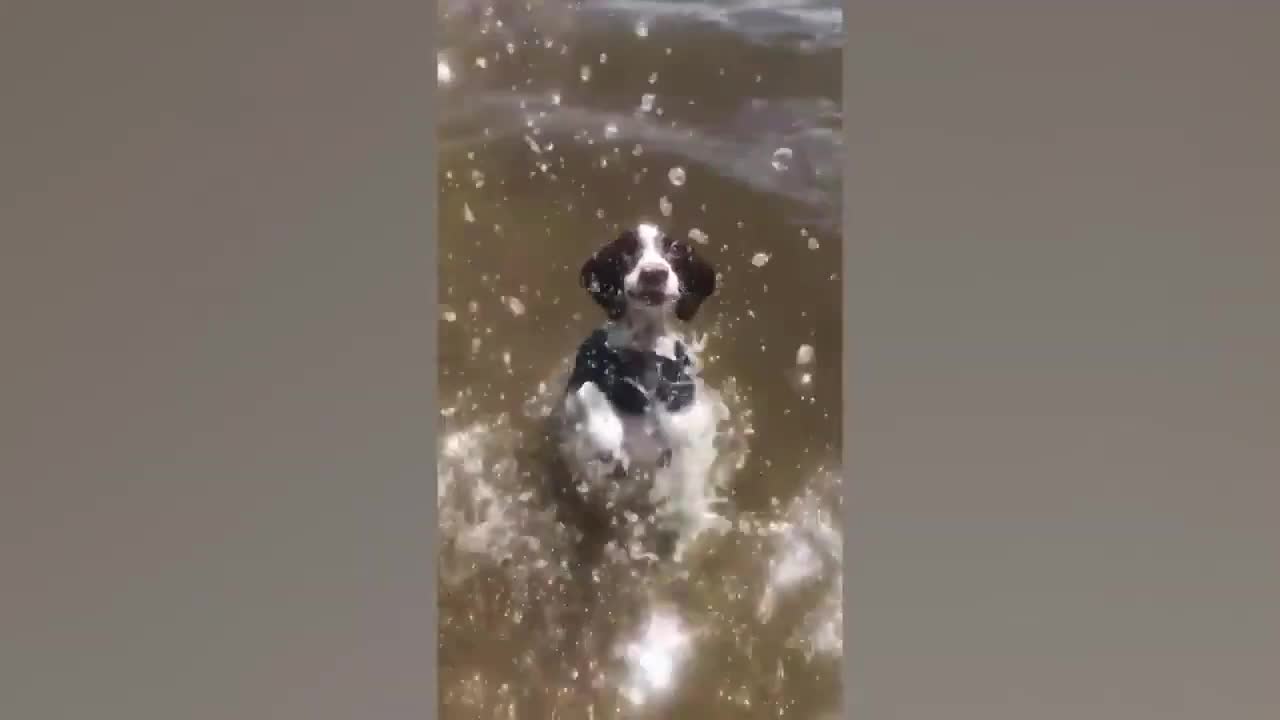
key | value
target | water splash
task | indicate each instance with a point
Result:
(655, 657)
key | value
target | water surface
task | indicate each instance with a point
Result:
(561, 124)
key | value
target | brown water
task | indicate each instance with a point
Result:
(541, 161)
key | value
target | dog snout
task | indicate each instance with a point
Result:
(654, 276)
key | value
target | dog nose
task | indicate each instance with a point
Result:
(653, 276)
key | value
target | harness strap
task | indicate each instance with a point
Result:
(631, 379)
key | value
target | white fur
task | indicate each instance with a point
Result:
(651, 259)
(598, 441)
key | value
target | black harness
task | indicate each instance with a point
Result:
(634, 379)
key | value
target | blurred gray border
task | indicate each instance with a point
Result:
(1062, 406)
(217, 422)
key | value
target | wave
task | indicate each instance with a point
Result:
(802, 24)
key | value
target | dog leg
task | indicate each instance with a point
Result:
(598, 428)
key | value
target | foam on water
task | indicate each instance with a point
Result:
(488, 515)
(807, 553)
(491, 519)
(654, 657)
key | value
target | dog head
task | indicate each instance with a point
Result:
(645, 271)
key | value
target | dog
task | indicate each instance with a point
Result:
(634, 402)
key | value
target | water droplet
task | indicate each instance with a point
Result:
(477, 177)
(533, 144)
(444, 73)
(653, 78)
(698, 236)
(646, 102)
(781, 160)
(515, 306)
(467, 214)
(676, 176)
(664, 205)
(481, 63)
(804, 354)
(604, 58)
(813, 243)
(584, 72)
(600, 213)
(642, 29)
(611, 130)
(511, 48)
(638, 150)
(555, 98)
(760, 259)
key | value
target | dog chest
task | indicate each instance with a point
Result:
(634, 381)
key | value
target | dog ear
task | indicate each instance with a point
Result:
(603, 272)
(697, 280)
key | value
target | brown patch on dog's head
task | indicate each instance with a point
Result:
(603, 272)
(697, 278)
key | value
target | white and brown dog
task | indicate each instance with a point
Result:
(634, 400)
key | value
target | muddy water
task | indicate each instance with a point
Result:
(559, 125)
